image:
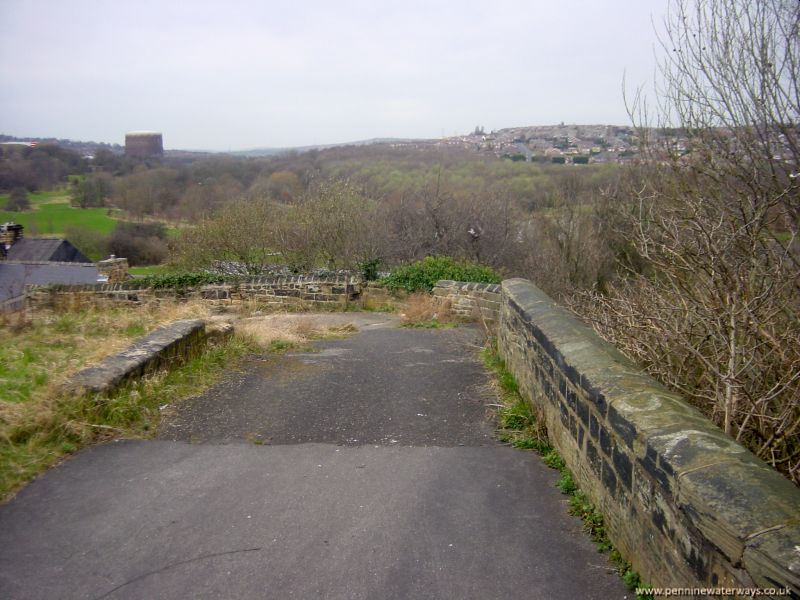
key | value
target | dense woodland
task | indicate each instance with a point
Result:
(343, 207)
(688, 260)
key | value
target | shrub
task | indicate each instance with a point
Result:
(182, 280)
(18, 200)
(369, 269)
(423, 275)
(140, 243)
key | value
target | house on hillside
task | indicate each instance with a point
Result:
(42, 261)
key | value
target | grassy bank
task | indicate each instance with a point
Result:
(39, 425)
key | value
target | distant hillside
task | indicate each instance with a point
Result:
(284, 150)
(557, 143)
(83, 148)
(566, 143)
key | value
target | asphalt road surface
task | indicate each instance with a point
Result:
(366, 470)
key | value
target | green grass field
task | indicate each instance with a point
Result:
(51, 214)
(49, 218)
(150, 270)
(60, 196)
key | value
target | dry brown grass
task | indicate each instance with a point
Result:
(134, 322)
(424, 310)
(291, 329)
(380, 300)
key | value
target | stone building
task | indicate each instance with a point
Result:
(144, 144)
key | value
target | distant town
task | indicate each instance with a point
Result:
(547, 143)
(542, 143)
(563, 143)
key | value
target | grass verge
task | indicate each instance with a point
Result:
(39, 424)
(62, 424)
(423, 311)
(518, 426)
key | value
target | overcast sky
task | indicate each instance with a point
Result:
(241, 74)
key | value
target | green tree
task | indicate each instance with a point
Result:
(18, 200)
(94, 190)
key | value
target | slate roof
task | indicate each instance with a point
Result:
(45, 249)
(14, 276)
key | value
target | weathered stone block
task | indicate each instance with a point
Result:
(727, 503)
(623, 467)
(772, 558)
(144, 355)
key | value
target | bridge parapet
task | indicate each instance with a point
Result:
(276, 292)
(471, 300)
(685, 503)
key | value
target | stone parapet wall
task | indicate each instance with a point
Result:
(471, 300)
(685, 503)
(276, 292)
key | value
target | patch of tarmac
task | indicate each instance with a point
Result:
(385, 385)
(364, 321)
(169, 520)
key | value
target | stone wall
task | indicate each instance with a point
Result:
(280, 292)
(167, 345)
(685, 503)
(114, 270)
(471, 300)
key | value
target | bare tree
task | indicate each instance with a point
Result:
(337, 226)
(241, 233)
(711, 302)
(332, 226)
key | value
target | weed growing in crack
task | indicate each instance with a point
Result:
(517, 425)
(280, 346)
